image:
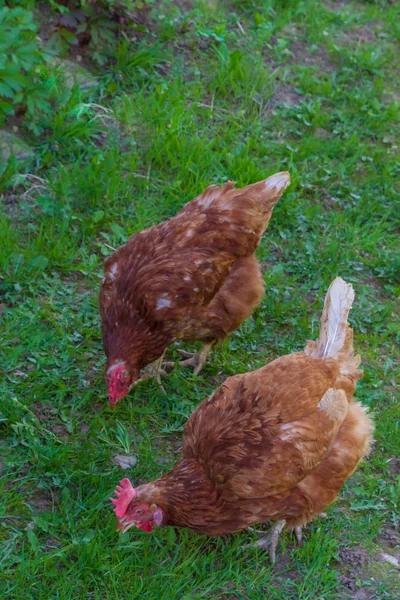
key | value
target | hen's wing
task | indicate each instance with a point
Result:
(262, 432)
(169, 269)
(165, 283)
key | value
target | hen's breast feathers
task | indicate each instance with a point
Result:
(262, 432)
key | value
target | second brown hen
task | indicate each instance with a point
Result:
(194, 277)
(275, 444)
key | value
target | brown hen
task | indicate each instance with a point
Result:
(275, 444)
(194, 277)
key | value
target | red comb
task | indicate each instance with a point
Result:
(125, 493)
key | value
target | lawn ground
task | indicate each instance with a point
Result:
(199, 93)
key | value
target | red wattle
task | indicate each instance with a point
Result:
(146, 526)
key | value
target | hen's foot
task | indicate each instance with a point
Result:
(269, 541)
(197, 360)
(156, 370)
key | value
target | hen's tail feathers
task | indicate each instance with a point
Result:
(270, 190)
(336, 336)
(267, 192)
(277, 184)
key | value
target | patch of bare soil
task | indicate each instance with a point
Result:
(41, 410)
(184, 5)
(358, 566)
(354, 557)
(44, 413)
(389, 97)
(84, 428)
(359, 35)
(341, 6)
(306, 54)
(45, 20)
(217, 380)
(394, 465)
(282, 568)
(364, 594)
(10, 203)
(370, 281)
(353, 561)
(79, 280)
(322, 133)
(286, 95)
(167, 449)
(42, 503)
(51, 23)
(52, 544)
(300, 53)
(390, 537)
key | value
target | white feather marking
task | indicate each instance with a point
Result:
(163, 302)
(279, 181)
(323, 404)
(337, 306)
(286, 426)
(225, 204)
(336, 337)
(190, 233)
(113, 271)
(334, 404)
(196, 289)
(208, 197)
(187, 278)
(117, 363)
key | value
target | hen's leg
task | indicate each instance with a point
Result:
(269, 541)
(155, 370)
(197, 360)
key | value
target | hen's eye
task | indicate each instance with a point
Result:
(139, 511)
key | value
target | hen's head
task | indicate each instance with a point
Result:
(133, 513)
(119, 380)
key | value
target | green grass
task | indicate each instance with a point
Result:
(216, 92)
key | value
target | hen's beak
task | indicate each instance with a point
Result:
(123, 527)
(115, 396)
